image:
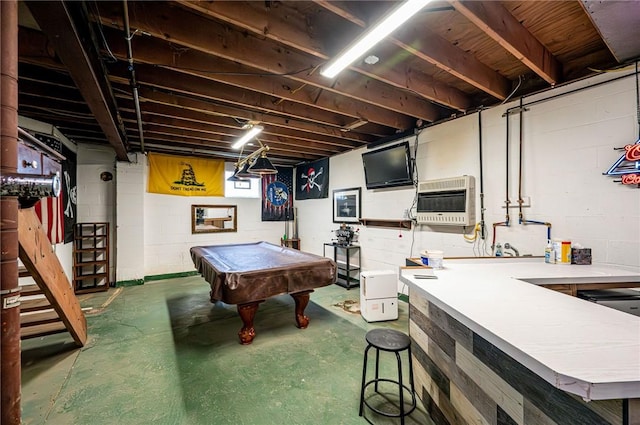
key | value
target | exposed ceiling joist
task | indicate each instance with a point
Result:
(195, 32)
(501, 26)
(205, 69)
(84, 67)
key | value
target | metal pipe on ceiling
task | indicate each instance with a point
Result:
(134, 83)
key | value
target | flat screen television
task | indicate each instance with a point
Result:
(388, 167)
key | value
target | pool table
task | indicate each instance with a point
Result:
(249, 273)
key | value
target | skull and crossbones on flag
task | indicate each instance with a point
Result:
(312, 180)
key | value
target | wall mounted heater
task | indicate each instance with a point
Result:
(450, 201)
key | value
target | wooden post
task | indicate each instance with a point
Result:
(9, 290)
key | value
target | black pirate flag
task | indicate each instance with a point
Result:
(312, 180)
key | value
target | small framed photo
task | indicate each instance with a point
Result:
(242, 184)
(346, 205)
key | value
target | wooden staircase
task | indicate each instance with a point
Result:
(37, 316)
(59, 310)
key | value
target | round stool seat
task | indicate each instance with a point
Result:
(395, 342)
(388, 339)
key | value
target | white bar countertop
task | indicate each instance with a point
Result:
(580, 347)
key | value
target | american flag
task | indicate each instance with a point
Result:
(282, 211)
(49, 211)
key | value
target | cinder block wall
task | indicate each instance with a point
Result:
(568, 143)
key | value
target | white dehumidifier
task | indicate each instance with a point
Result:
(379, 295)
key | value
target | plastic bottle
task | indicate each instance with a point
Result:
(556, 244)
(549, 254)
(498, 250)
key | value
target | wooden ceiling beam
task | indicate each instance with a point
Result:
(231, 123)
(71, 108)
(193, 62)
(42, 73)
(43, 90)
(197, 32)
(287, 30)
(191, 104)
(496, 21)
(194, 149)
(55, 19)
(195, 137)
(81, 128)
(34, 48)
(195, 86)
(434, 49)
(60, 119)
(187, 125)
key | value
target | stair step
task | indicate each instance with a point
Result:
(34, 304)
(32, 289)
(42, 330)
(39, 318)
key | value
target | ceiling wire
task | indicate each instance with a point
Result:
(64, 113)
(104, 39)
(513, 91)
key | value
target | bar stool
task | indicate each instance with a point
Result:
(395, 342)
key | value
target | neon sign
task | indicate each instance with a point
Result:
(628, 165)
(631, 179)
(632, 152)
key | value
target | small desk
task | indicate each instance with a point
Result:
(247, 274)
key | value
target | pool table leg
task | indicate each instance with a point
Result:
(247, 314)
(301, 299)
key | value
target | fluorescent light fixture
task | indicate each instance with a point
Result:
(369, 39)
(253, 132)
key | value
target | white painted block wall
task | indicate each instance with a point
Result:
(154, 230)
(96, 199)
(568, 143)
(129, 231)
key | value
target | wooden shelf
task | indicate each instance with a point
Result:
(290, 243)
(402, 224)
(91, 257)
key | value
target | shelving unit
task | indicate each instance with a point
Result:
(290, 243)
(91, 257)
(403, 224)
(347, 259)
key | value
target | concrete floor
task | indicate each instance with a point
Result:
(161, 353)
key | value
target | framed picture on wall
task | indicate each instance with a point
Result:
(346, 205)
(242, 184)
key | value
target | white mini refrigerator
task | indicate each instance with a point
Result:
(379, 295)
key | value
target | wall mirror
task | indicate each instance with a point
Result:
(214, 218)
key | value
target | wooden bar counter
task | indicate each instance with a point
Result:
(492, 346)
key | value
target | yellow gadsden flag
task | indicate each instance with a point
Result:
(185, 175)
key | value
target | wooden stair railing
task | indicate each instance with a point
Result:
(41, 262)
